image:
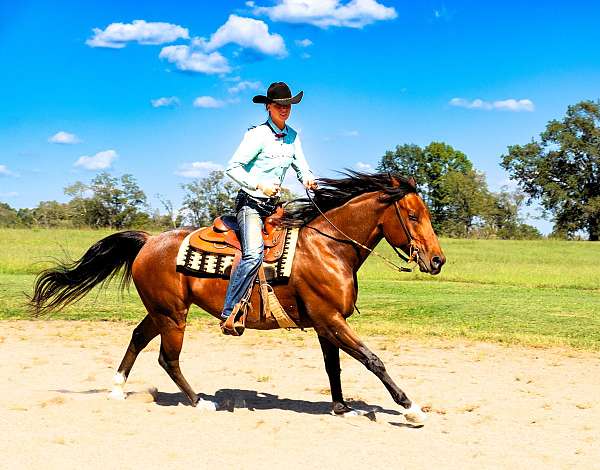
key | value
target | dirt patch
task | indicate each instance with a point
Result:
(489, 406)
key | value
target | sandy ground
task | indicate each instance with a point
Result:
(490, 406)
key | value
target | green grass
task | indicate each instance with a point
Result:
(537, 293)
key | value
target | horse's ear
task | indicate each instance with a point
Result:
(412, 181)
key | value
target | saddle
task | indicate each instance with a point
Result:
(221, 237)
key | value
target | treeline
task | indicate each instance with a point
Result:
(560, 171)
(457, 195)
(460, 203)
(107, 201)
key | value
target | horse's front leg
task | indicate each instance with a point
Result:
(336, 330)
(331, 356)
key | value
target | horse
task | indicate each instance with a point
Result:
(339, 226)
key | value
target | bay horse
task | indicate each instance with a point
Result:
(344, 221)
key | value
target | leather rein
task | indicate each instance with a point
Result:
(413, 255)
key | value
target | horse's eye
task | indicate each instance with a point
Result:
(412, 216)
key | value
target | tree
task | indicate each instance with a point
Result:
(429, 167)
(504, 220)
(208, 197)
(172, 218)
(109, 202)
(51, 214)
(8, 216)
(467, 203)
(562, 169)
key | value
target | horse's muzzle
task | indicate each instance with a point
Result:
(434, 266)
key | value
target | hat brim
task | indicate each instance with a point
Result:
(262, 99)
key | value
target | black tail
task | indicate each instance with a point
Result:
(67, 282)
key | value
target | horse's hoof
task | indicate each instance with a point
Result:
(206, 405)
(347, 412)
(415, 415)
(117, 394)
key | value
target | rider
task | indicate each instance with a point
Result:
(259, 166)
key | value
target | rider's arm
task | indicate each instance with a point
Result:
(247, 151)
(300, 164)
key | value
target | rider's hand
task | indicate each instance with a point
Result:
(310, 184)
(269, 189)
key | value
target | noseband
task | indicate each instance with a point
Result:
(413, 254)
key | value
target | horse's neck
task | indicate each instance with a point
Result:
(358, 219)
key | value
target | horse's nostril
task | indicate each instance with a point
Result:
(436, 262)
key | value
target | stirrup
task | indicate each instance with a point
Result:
(236, 322)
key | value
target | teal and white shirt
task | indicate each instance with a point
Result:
(264, 156)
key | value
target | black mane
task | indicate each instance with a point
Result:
(336, 192)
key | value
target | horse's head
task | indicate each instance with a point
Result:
(406, 225)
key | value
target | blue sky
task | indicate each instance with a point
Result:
(477, 75)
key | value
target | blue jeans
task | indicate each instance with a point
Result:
(251, 241)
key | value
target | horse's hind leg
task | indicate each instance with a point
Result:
(142, 335)
(331, 356)
(171, 335)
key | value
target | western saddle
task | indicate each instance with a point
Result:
(221, 237)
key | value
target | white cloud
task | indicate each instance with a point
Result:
(4, 171)
(9, 194)
(244, 85)
(248, 33)
(305, 55)
(189, 59)
(197, 169)
(325, 13)
(100, 161)
(117, 35)
(303, 42)
(361, 166)
(63, 137)
(165, 101)
(351, 133)
(514, 105)
(208, 102)
(506, 105)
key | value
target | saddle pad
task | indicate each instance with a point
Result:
(192, 261)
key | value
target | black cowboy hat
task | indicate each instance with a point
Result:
(279, 93)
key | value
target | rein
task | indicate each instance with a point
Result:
(414, 250)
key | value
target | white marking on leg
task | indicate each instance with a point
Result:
(117, 392)
(206, 405)
(119, 379)
(415, 414)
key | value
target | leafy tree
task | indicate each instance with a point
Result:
(504, 220)
(429, 166)
(467, 203)
(208, 197)
(562, 169)
(51, 214)
(8, 216)
(109, 202)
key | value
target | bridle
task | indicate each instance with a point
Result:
(413, 254)
(413, 249)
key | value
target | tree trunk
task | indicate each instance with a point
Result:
(594, 228)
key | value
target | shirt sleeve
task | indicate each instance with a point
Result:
(247, 151)
(300, 164)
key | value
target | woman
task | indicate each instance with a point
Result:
(259, 166)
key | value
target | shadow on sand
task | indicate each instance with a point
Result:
(228, 399)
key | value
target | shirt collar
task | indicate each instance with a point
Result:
(276, 129)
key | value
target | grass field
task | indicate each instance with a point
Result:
(538, 293)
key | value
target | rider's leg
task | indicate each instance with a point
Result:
(251, 226)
